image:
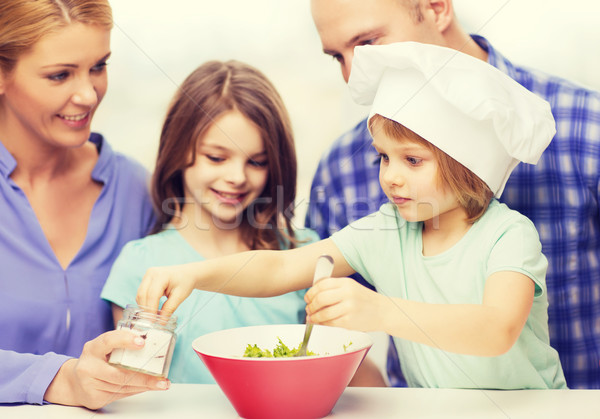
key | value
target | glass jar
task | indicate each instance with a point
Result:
(159, 333)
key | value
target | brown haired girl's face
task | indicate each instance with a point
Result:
(408, 176)
(51, 95)
(230, 171)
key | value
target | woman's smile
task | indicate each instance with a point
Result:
(76, 121)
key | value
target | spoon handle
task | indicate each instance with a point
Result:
(323, 269)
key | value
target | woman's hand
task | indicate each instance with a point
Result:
(91, 382)
(343, 302)
(174, 282)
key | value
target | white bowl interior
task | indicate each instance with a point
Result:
(324, 340)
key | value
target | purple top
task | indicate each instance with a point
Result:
(47, 310)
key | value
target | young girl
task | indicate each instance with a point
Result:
(224, 182)
(460, 277)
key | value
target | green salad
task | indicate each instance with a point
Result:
(280, 351)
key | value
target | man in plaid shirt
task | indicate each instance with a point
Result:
(559, 194)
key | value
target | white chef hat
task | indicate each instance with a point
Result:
(464, 106)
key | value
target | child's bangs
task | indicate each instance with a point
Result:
(397, 131)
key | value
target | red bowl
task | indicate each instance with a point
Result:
(303, 387)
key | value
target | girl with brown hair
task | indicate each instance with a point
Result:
(225, 182)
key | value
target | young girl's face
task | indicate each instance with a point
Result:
(54, 89)
(230, 170)
(408, 176)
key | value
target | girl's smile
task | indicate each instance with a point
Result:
(398, 200)
(230, 198)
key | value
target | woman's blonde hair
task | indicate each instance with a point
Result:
(472, 193)
(24, 22)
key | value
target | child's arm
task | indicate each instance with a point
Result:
(117, 313)
(486, 329)
(261, 273)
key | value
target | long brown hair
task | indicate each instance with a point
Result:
(473, 194)
(23, 23)
(212, 89)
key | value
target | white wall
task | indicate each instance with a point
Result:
(156, 44)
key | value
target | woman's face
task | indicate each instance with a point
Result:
(55, 88)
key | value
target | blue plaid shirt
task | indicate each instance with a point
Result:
(559, 194)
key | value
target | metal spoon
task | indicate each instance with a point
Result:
(323, 269)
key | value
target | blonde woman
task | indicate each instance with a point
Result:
(69, 203)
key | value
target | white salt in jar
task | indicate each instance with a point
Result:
(159, 333)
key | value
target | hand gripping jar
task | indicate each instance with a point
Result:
(159, 333)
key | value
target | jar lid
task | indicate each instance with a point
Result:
(136, 312)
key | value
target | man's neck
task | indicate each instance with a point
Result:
(457, 38)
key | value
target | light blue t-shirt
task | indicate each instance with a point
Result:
(202, 312)
(387, 251)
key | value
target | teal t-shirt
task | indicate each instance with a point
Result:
(202, 312)
(387, 251)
